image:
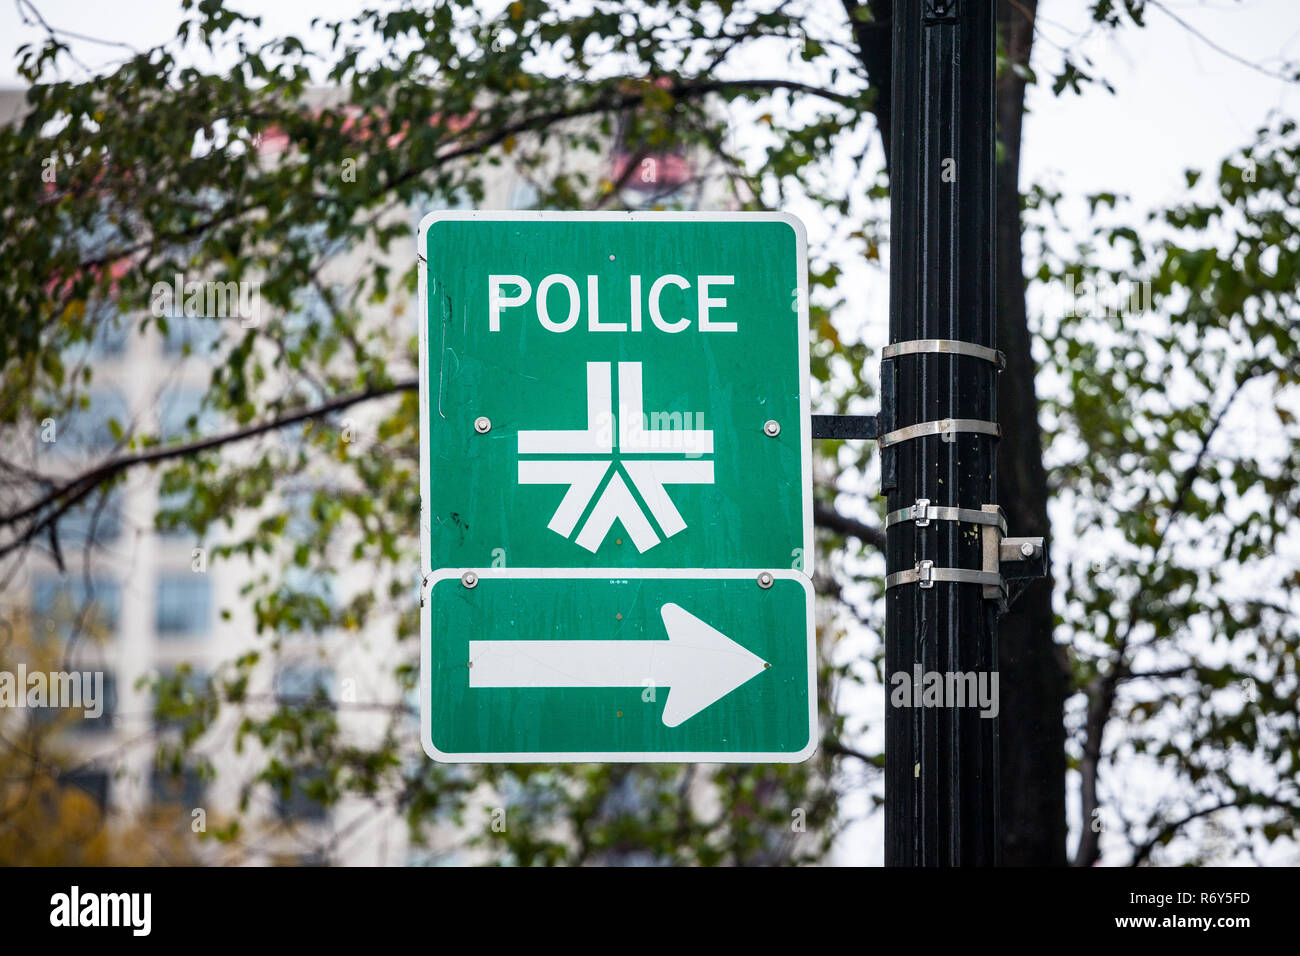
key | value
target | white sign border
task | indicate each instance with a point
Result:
(587, 756)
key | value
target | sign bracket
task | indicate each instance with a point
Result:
(1004, 560)
(859, 427)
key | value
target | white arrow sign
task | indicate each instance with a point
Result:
(698, 663)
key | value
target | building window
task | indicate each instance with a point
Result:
(182, 604)
(303, 801)
(80, 720)
(108, 713)
(176, 790)
(94, 783)
(62, 604)
(298, 683)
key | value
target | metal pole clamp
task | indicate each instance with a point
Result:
(925, 574)
(945, 347)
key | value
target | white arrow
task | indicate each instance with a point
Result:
(699, 665)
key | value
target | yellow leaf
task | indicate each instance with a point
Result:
(829, 332)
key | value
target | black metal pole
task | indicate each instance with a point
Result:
(941, 764)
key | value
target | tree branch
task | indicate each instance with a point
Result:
(837, 749)
(1103, 690)
(1141, 853)
(52, 505)
(601, 104)
(824, 516)
(75, 489)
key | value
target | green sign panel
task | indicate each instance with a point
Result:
(658, 666)
(617, 393)
(622, 370)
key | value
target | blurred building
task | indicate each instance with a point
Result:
(139, 602)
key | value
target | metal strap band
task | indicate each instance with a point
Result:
(925, 574)
(923, 513)
(945, 347)
(944, 426)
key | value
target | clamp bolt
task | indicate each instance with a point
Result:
(771, 428)
(482, 424)
(765, 580)
(469, 579)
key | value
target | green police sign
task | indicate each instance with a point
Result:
(616, 393)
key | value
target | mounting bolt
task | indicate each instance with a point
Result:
(771, 428)
(765, 580)
(1027, 549)
(469, 579)
(482, 424)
